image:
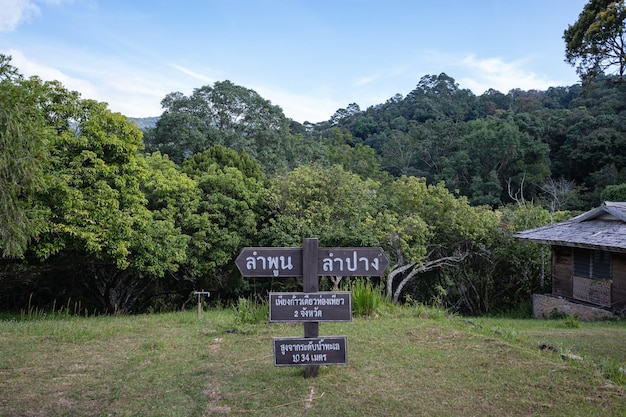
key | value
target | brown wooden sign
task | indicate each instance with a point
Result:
(287, 262)
(270, 262)
(310, 307)
(352, 262)
(293, 351)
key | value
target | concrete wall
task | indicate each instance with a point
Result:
(545, 305)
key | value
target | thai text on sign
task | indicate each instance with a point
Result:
(319, 306)
(291, 351)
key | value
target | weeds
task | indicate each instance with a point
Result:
(63, 311)
(248, 311)
(614, 371)
(367, 299)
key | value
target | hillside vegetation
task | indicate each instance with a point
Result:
(120, 219)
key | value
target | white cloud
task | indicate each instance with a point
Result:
(193, 74)
(366, 80)
(130, 93)
(29, 68)
(15, 12)
(302, 108)
(486, 73)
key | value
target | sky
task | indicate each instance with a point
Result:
(310, 57)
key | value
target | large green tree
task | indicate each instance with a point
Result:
(424, 228)
(227, 217)
(98, 213)
(329, 203)
(223, 114)
(25, 135)
(596, 41)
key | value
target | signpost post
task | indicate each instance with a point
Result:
(200, 294)
(311, 284)
(311, 307)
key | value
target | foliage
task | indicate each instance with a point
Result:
(614, 193)
(24, 156)
(224, 114)
(428, 228)
(97, 222)
(501, 272)
(249, 311)
(228, 216)
(596, 40)
(331, 204)
(89, 215)
(367, 299)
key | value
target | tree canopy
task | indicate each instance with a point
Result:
(596, 41)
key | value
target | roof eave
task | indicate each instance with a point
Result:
(581, 245)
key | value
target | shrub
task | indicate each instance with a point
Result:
(248, 311)
(366, 298)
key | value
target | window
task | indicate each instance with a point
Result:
(594, 264)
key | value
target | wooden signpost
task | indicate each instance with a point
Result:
(311, 307)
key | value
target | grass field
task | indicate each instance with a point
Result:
(411, 362)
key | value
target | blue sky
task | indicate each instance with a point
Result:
(310, 57)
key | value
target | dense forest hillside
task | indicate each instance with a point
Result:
(561, 146)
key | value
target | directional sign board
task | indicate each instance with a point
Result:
(352, 262)
(328, 350)
(270, 262)
(307, 307)
(287, 262)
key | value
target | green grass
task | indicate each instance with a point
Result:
(410, 362)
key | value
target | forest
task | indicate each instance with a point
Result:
(110, 218)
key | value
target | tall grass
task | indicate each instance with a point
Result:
(367, 299)
(70, 309)
(250, 311)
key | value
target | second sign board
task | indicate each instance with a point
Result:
(307, 307)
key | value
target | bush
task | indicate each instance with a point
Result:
(248, 311)
(614, 193)
(366, 298)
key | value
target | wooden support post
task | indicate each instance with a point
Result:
(200, 294)
(311, 284)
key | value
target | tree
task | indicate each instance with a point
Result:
(223, 114)
(484, 156)
(332, 204)
(596, 41)
(24, 139)
(227, 218)
(615, 192)
(99, 242)
(500, 273)
(424, 228)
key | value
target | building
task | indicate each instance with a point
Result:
(588, 259)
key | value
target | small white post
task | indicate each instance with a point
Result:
(200, 294)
